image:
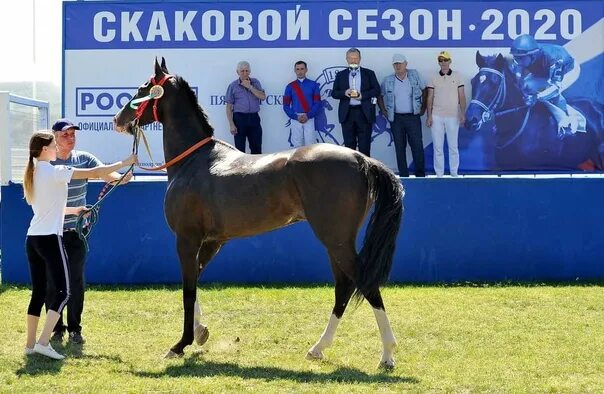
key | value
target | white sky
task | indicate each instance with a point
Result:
(31, 53)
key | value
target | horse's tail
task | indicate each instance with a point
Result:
(375, 257)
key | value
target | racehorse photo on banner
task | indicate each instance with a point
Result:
(520, 101)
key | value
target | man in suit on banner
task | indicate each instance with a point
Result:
(357, 88)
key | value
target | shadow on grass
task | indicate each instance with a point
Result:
(193, 367)
(74, 351)
(40, 365)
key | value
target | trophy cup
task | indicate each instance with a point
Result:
(354, 93)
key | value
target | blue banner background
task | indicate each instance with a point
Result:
(482, 24)
(525, 141)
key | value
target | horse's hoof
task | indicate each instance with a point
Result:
(315, 355)
(387, 365)
(171, 354)
(201, 334)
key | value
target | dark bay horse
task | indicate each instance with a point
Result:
(218, 193)
(526, 137)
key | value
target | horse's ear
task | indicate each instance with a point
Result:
(500, 62)
(479, 60)
(158, 69)
(163, 65)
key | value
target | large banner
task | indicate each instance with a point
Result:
(544, 113)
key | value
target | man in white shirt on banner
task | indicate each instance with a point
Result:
(446, 107)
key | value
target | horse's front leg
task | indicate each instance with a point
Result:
(200, 331)
(187, 251)
(206, 252)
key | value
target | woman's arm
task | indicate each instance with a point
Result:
(101, 171)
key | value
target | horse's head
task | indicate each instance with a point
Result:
(145, 107)
(488, 90)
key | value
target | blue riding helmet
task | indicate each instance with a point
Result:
(524, 45)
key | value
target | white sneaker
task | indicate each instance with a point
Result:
(28, 351)
(48, 351)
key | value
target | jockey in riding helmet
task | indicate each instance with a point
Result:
(539, 69)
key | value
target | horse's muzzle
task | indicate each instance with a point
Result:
(127, 128)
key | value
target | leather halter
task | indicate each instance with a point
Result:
(155, 93)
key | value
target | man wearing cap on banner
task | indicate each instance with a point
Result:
(404, 103)
(65, 137)
(357, 88)
(446, 107)
(301, 101)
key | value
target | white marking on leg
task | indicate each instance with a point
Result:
(316, 351)
(196, 314)
(388, 339)
(200, 332)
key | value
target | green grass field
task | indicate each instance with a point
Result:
(517, 339)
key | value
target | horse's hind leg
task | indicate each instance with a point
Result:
(388, 340)
(343, 291)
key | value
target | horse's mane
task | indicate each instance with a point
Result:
(201, 115)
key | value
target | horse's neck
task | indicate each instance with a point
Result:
(180, 135)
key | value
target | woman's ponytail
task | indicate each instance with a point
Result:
(37, 141)
(28, 180)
